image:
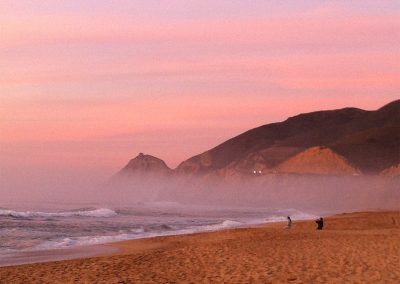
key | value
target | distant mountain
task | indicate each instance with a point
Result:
(144, 165)
(345, 141)
(369, 141)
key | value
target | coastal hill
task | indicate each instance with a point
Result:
(369, 141)
(345, 141)
(317, 160)
(144, 164)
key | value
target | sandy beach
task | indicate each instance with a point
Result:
(352, 248)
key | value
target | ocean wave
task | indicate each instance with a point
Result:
(220, 226)
(294, 214)
(134, 234)
(144, 226)
(101, 212)
(83, 241)
(137, 233)
(161, 230)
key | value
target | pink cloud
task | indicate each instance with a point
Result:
(215, 75)
(327, 28)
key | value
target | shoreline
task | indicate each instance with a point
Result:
(60, 254)
(101, 249)
(119, 247)
(357, 247)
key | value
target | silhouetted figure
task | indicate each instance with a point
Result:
(289, 224)
(320, 223)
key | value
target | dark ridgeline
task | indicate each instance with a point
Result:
(367, 140)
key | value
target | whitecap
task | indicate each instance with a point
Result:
(101, 212)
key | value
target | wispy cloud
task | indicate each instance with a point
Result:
(72, 73)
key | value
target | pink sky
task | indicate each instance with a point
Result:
(86, 86)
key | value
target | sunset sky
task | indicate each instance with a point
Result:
(87, 85)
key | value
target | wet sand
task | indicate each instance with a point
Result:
(27, 257)
(352, 248)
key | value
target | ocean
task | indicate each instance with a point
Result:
(40, 226)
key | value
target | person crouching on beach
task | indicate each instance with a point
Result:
(320, 223)
(289, 224)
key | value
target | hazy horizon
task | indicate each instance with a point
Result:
(84, 87)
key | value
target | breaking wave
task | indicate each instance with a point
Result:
(101, 212)
(152, 231)
(33, 230)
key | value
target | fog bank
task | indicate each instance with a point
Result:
(302, 192)
(312, 193)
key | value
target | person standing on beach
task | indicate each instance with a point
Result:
(320, 223)
(289, 224)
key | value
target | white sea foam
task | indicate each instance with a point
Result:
(35, 230)
(224, 225)
(136, 234)
(101, 212)
(141, 232)
(83, 241)
(295, 215)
